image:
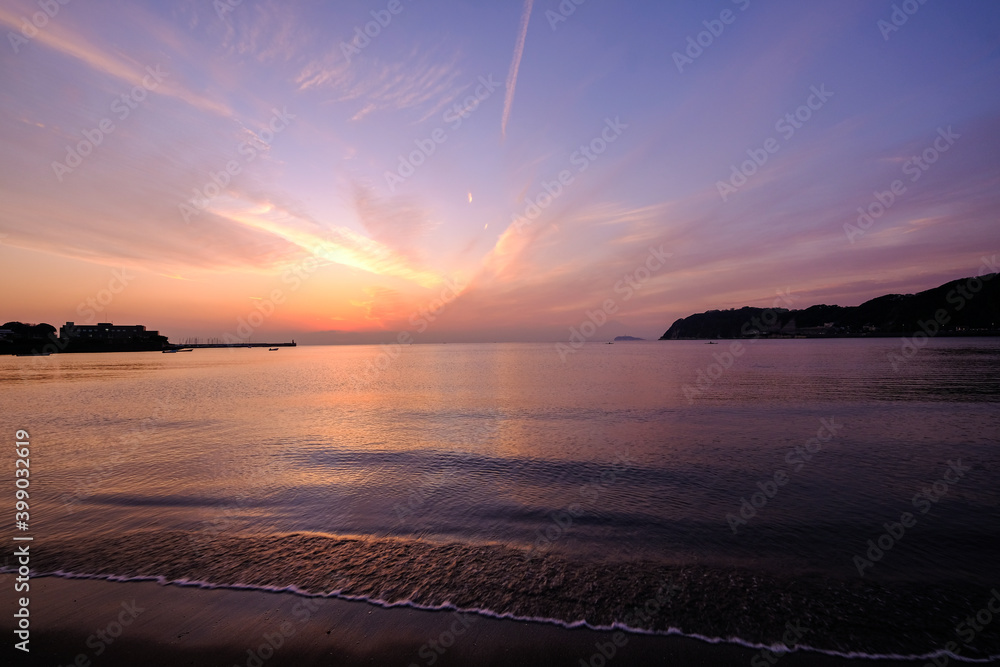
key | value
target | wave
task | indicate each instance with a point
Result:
(850, 618)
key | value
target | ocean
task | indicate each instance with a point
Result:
(840, 496)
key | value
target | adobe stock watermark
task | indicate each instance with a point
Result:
(265, 307)
(794, 632)
(931, 327)
(37, 21)
(420, 320)
(796, 458)
(224, 516)
(432, 650)
(303, 612)
(363, 35)
(922, 501)
(754, 329)
(640, 616)
(581, 158)
(978, 623)
(122, 107)
(714, 28)
(103, 638)
(476, 440)
(968, 630)
(223, 7)
(218, 181)
(566, 8)
(89, 308)
(92, 305)
(786, 126)
(630, 283)
(914, 167)
(590, 493)
(430, 482)
(901, 13)
(130, 443)
(453, 117)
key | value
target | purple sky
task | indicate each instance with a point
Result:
(186, 167)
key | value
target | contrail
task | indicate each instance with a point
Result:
(515, 65)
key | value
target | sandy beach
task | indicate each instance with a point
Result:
(98, 622)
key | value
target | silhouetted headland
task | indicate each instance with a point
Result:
(964, 307)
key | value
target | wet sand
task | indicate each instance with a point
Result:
(104, 623)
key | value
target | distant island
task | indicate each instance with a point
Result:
(620, 339)
(964, 307)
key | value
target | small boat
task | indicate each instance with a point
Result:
(272, 349)
(711, 342)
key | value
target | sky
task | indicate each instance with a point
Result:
(462, 170)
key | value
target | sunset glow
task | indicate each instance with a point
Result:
(338, 167)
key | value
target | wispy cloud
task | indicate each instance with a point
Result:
(396, 222)
(417, 81)
(267, 31)
(515, 65)
(381, 307)
(60, 39)
(333, 243)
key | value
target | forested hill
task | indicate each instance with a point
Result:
(968, 306)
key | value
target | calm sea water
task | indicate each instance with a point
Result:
(499, 478)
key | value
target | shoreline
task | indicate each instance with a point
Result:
(145, 622)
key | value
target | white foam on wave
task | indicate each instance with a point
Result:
(672, 631)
